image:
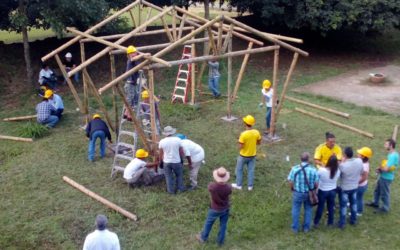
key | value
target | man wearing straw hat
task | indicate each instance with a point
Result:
(138, 172)
(219, 207)
(97, 128)
(171, 154)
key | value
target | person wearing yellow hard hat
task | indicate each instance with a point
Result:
(139, 172)
(248, 141)
(325, 150)
(57, 103)
(365, 154)
(45, 111)
(97, 129)
(213, 78)
(387, 174)
(145, 109)
(266, 100)
(131, 86)
(70, 64)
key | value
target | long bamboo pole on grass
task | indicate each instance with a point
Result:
(338, 124)
(241, 72)
(20, 118)
(342, 114)
(274, 92)
(13, 138)
(99, 198)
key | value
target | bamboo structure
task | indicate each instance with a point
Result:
(13, 138)
(100, 199)
(20, 118)
(338, 113)
(338, 124)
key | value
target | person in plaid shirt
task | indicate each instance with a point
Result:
(300, 189)
(44, 110)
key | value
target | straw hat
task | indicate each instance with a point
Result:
(168, 130)
(221, 175)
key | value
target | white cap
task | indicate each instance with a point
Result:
(69, 55)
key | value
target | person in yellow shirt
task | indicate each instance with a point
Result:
(324, 151)
(248, 141)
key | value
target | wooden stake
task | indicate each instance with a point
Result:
(100, 199)
(98, 98)
(20, 118)
(338, 124)
(286, 84)
(395, 131)
(92, 29)
(69, 82)
(13, 138)
(167, 31)
(154, 137)
(193, 74)
(241, 72)
(229, 79)
(274, 92)
(342, 114)
(113, 76)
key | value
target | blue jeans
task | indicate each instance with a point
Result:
(298, 200)
(213, 85)
(268, 117)
(360, 198)
(58, 113)
(51, 121)
(172, 169)
(251, 164)
(212, 215)
(348, 196)
(92, 144)
(382, 191)
(329, 198)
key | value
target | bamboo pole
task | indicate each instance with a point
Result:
(274, 92)
(97, 26)
(229, 79)
(174, 24)
(119, 41)
(153, 116)
(13, 138)
(342, 114)
(338, 124)
(286, 84)
(100, 199)
(135, 122)
(219, 42)
(98, 98)
(241, 72)
(132, 18)
(160, 53)
(113, 76)
(140, 13)
(148, 17)
(85, 88)
(167, 31)
(202, 68)
(212, 42)
(181, 26)
(226, 42)
(395, 131)
(193, 75)
(20, 118)
(267, 37)
(69, 82)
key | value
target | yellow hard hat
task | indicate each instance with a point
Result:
(130, 49)
(249, 120)
(383, 163)
(266, 84)
(141, 153)
(48, 93)
(96, 116)
(43, 88)
(365, 151)
(145, 94)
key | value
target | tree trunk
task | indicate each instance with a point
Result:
(25, 39)
(207, 9)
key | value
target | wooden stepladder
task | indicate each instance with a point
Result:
(183, 78)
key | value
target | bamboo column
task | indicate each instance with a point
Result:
(219, 42)
(241, 72)
(114, 91)
(154, 132)
(69, 82)
(85, 87)
(229, 80)
(133, 19)
(201, 71)
(148, 17)
(193, 75)
(212, 42)
(395, 131)
(274, 92)
(226, 42)
(286, 84)
(174, 35)
(181, 25)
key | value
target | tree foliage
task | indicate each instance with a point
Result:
(325, 15)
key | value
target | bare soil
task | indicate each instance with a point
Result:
(355, 87)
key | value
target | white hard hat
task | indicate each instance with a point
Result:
(68, 55)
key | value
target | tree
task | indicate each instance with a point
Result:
(325, 16)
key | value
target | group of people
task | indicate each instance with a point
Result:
(343, 176)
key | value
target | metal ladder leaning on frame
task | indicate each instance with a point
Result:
(182, 83)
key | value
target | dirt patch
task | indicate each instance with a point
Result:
(355, 87)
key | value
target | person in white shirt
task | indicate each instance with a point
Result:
(364, 153)
(101, 238)
(328, 177)
(137, 172)
(57, 103)
(171, 154)
(47, 77)
(267, 100)
(195, 155)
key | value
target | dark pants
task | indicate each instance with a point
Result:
(329, 198)
(58, 113)
(351, 197)
(382, 191)
(171, 170)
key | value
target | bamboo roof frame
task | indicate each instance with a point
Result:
(218, 33)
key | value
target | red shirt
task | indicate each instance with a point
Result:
(219, 194)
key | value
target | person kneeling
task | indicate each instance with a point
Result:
(137, 172)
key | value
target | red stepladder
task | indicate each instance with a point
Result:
(182, 84)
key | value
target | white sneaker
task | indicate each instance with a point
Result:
(249, 188)
(235, 186)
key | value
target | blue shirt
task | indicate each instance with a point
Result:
(57, 102)
(296, 176)
(43, 111)
(392, 160)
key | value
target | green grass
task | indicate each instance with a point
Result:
(40, 211)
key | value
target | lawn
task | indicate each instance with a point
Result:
(40, 211)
